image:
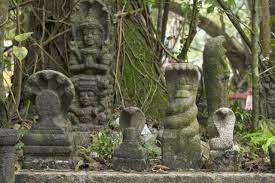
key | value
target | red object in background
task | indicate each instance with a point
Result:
(172, 61)
(248, 102)
(246, 96)
(241, 96)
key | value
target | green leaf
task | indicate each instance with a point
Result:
(7, 62)
(19, 145)
(269, 142)
(152, 2)
(23, 36)
(272, 42)
(20, 52)
(185, 7)
(272, 19)
(210, 9)
(78, 165)
(231, 2)
(10, 34)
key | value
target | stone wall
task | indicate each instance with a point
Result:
(114, 177)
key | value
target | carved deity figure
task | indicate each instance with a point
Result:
(90, 108)
(181, 141)
(90, 64)
(90, 54)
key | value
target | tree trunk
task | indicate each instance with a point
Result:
(265, 34)
(4, 4)
(254, 63)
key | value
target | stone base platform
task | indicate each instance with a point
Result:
(117, 177)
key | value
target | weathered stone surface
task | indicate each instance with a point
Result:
(181, 141)
(114, 177)
(8, 139)
(49, 144)
(90, 64)
(130, 155)
(267, 94)
(271, 150)
(224, 121)
(222, 153)
(216, 78)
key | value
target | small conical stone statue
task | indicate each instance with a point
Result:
(181, 147)
(130, 155)
(223, 153)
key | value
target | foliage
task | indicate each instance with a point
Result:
(140, 83)
(257, 141)
(263, 137)
(152, 149)
(105, 141)
(243, 118)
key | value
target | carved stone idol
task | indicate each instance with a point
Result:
(49, 143)
(181, 146)
(130, 155)
(216, 78)
(8, 139)
(223, 153)
(90, 64)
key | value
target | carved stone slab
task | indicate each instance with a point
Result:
(49, 143)
(91, 58)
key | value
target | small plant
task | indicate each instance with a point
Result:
(263, 137)
(243, 118)
(105, 141)
(152, 149)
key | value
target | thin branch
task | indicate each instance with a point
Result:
(21, 4)
(235, 22)
(192, 32)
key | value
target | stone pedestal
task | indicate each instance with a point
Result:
(181, 141)
(227, 160)
(130, 155)
(49, 144)
(8, 139)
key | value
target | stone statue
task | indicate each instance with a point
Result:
(181, 146)
(267, 102)
(90, 64)
(223, 153)
(271, 150)
(8, 139)
(216, 78)
(130, 155)
(49, 143)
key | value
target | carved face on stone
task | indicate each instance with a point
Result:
(87, 98)
(184, 88)
(93, 36)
